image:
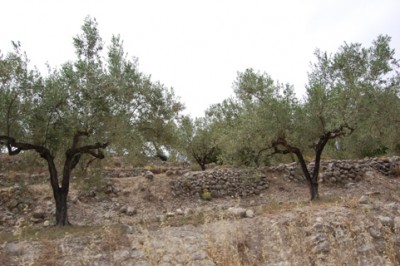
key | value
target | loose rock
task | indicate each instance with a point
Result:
(249, 213)
(131, 211)
(363, 200)
(149, 175)
(237, 211)
(39, 214)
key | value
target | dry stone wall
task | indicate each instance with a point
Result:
(220, 183)
(340, 171)
(243, 183)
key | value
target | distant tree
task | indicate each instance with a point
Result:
(198, 142)
(158, 122)
(225, 120)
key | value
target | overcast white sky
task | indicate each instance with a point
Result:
(197, 47)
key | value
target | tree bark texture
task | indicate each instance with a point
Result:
(61, 208)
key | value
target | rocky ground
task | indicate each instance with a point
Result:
(138, 220)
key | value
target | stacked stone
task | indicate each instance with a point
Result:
(339, 171)
(220, 183)
(335, 171)
(385, 166)
(290, 171)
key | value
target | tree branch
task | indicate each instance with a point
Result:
(75, 154)
(341, 131)
(77, 137)
(88, 149)
(20, 146)
(43, 152)
(281, 142)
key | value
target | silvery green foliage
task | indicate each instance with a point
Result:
(100, 92)
(355, 90)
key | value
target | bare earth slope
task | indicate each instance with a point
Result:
(140, 222)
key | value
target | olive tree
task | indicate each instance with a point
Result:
(228, 124)
(343, 95)
(197, 141)
(83, 108)
(66, 112)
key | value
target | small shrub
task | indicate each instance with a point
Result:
(195, 167)
(206, 195)
(157, 170)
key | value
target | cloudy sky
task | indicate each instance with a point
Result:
(197, 47)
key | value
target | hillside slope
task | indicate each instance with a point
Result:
(138, 221)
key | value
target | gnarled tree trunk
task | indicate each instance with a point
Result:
(281, 146)
(61, 207)
(311, 179)
(73, 155)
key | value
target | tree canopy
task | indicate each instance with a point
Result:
(83, 107)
